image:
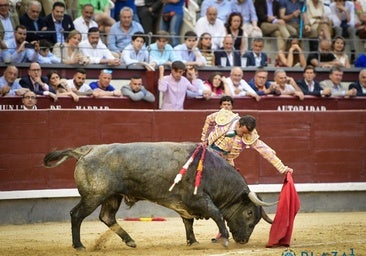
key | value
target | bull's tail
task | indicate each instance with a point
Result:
(62, 155)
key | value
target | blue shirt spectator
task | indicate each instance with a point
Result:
(95, 85)
(121, 32)
(17, 48)
(8, 84)
(162, 52)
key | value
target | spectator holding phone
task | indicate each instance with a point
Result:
(18, 50)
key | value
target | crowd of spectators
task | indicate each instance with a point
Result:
(227, 33)
(67, 26)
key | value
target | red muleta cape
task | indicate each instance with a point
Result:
(287, 208)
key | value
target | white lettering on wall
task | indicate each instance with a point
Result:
(92, 107)
(11, 107)
(20, 107)
(301, 108)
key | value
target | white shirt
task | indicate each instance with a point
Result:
(287, 90)
(310, 85)
(83, 88)
(95, 54)
(81, 26)
(244, 86)
(217, 31)
(130, 56)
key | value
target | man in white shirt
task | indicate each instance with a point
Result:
(238, 86)
(77, 83)
(211, 24)
(285, 85)
(96, 50)
(85, 21)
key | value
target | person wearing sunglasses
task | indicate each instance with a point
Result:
(102, 87)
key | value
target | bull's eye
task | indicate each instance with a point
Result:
(250, 212)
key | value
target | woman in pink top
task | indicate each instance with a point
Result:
(218, 85)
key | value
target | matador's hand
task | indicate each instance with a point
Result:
(290, 170)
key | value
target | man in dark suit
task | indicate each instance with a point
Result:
(37, 83)
(31, 20)
(256, 57)
(269, 20)
(311, 87)
(360, 85)
(227, 52)
(59, 22)
(148, 12)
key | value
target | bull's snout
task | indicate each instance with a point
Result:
(241, 241)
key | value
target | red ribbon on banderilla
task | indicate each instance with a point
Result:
(199, 171)
(182, 171)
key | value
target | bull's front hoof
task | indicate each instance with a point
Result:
(80, 248)
(224, 241)
(192, 243)
(131, 243)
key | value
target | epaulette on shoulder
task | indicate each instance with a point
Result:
(224, 117)
(250, 138)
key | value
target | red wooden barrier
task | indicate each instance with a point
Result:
(321, 146)
(275, 103)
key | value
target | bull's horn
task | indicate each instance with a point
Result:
(254, 198)
(265, 216)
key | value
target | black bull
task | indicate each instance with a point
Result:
(105, 174)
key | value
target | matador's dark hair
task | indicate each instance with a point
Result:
(249, 121)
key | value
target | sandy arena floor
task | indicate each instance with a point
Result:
(315, 234)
